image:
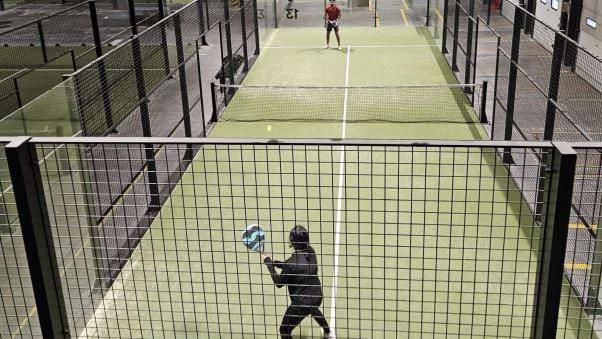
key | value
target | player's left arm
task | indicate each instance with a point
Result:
(278, 279)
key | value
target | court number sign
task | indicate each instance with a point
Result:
(260, 14)
(291, 13)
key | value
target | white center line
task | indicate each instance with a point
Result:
(337, 232)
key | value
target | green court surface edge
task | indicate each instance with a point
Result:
(190, 274)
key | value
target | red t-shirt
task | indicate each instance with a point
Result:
(332, 12)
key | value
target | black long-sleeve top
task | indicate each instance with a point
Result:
(300, 274)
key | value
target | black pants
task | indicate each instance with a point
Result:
(295, 314)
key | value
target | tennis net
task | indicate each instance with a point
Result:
(409, 103)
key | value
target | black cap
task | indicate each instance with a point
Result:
(299, 237)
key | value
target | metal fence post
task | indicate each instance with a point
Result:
(516, 32)
(95, 28)
(483, 114)
(529, 19)
(275, 15)
(553, 86)
(42, 41)
(164, 47)
(455, 39)
(183, 82)
(495, 85)
(256, 23)
(376, 18)
(229, 40)
(552, 246)
(102, 74)
(202, 101)
(201, 15)
(37, 237)
(470, 28)
(213, 104)
(132, 15)
(17, 92)
(444, 34)
(428, 12)
(243, 30)
(146, 126)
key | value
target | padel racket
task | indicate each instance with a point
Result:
(253, 237)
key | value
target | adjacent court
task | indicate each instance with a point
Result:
(422, 241)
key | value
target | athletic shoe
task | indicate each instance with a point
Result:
(339, 48)
(326, 47)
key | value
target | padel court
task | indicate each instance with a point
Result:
(413, 240)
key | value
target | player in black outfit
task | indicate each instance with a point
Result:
(300, 273)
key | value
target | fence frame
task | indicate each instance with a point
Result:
(33, 213)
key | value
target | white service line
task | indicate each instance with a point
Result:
(337, 224)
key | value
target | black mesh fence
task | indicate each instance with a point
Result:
(584, 254)
(460, 43)
(405, 236)
(154, 85)
(547, 89)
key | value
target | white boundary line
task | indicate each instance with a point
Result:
(337, 232)
(354, 46)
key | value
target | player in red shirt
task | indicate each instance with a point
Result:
(332, 15)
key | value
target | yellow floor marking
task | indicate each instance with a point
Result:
(405, 18)
(439, 15)
(580, 226)
(33, 311)
(405, 4)
(577, 266)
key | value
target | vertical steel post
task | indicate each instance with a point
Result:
(530, 18)
(444, 35)
(164, 47)
(375, 13)
(495, 85)
(516, 33)
(256, 23)
(483, 114)
(554, 85)
(102, 74)
(552, 247)
(230, 56)
(243, 29)
(132, 14)
(455, 39)
(572, 31)
(202, 26)
(428, 12)
(202, 100)
(275, 15)
(468, 63)
(95, 28)
(213, 103)
(146, 126)
(183, 82)
(17, 92)
(42, 41)
(37, 237)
